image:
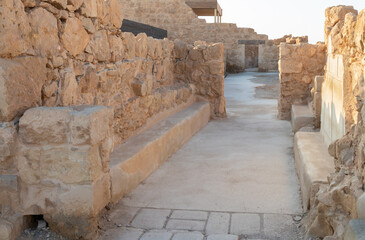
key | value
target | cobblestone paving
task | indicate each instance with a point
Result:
(129, 223)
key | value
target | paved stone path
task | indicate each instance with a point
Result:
(233, 180)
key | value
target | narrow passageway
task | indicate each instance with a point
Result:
(235, 179)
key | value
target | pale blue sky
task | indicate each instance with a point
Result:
(279, 17)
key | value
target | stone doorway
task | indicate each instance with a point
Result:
(252, 56)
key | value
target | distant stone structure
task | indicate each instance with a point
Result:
(181, 21)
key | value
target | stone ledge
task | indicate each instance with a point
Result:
(313, 163)
(355, 230)
(133, 161)
(301, 116)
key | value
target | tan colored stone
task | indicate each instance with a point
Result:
(61, 4)
(90, 8)
(115, 12)
(116, 48)
(74, 38)
(129, 42)
(88, 25)
(42, 126)
(7, 148)
(69, 90)
(99, 46)
(14, 28)
(76, 3)
(139, 88)
(90, 126)
(44, 32)
(141, 45)
(288, 66)
(21, 83)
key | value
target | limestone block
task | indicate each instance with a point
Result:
(216, 67)
(338, 13)
(69, 89)
(42, 126)
(129, 42)
(99, 46)
(76, 216)
(88, 25)
(195, 55)
(74, 38)
(139, 88)
(21, 83)
(44, 32)
(115, 13)
(116, 48)
(141, 45)
(288, 66)
(90, 125)
(90, 8)
(214, 52)
(180, 49)
(9, 188)
(70, 139)
(76, 3)
(7, 147)
(61, 4)
(359, 32)
(14, 29)
(6, 229)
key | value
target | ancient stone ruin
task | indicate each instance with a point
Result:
(89, 111)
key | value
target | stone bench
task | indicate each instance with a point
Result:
(133, 161)
(301, 116)
(313, 163)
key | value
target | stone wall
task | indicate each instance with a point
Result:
(268, 57)
(298, 65)
(342, 114)
(59, 54)
(182, 23)
(204, 68)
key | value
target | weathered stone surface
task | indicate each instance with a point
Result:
(218, 223)
(21, 83)
(74, 38)
(116, 48)
(90, 8)
(243, 223)
(61, 4)
(115, 12)
(129, 41)
(7, 148)
(44, 32)
(68, 87)
(150, 219)
(188, 236)
(192, 215)
(99, 46)
(14, 28)
(191, 225)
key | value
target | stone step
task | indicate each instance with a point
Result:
(301, 116)
(355, 230)
(313, 163)
(133, 161)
